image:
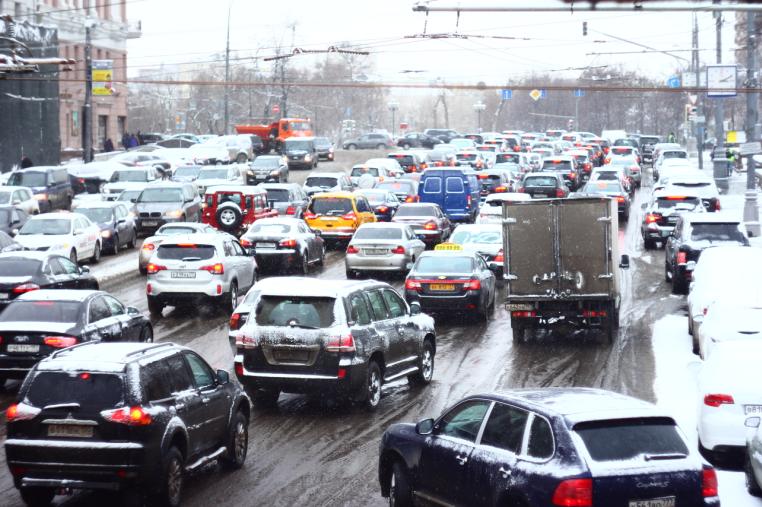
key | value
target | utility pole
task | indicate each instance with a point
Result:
(750, 210)
(719, 159)
(87, 117)
(226, 114)
(283, 87)
(698, 126)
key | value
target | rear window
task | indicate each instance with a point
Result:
(444, 264)
(277, 195)
(331, 206)
(557, 165)
(321, 181)
(416, 211)
(648, 140)
(455, 185)
(629, 438)
(359, 171)
(378, 233)
(170, 231)
(306, 312)
(68, 312)
(274, 229)
(683, 203)
(19, 267)
(404, 160)
(540, 181)
(91, 390)
(463, 237)
(717, 232)
(185, 252)
(466, 156)
(674, 154)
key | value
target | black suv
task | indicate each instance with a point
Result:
(123, 417)
(331, 337)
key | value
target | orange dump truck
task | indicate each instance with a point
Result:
(275, 133)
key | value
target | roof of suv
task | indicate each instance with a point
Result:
(311, 287)
(103, 356)
(711, 218)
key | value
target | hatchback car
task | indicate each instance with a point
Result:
(336, 338)
(40, 322)
(267, 168)
(411, 161)
(608, 188)
(405, 190)
(196, 267)
(123, 417)
(382, 247)
(150, 244)
(69, 234)
(324, 148)
(495, 181)
(368, 141)
(549, 184)
(337, 215)
(165, 203)
(545, 447)
(284, 244)
(117, 225)
(427, 220)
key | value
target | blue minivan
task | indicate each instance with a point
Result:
(50, 184)
(455, 190)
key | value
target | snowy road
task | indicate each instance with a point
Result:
(306, 453)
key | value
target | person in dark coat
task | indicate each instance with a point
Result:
(26, 162)
(125, 140)
(133, 141)
(108, 145)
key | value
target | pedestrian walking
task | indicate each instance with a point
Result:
(108, 145)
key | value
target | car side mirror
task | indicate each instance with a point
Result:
(752, 422)
(415, 308)
(131, 310)
(14, 232)
(624, 262)
(425, 427)
(84, 269)
(223, 377)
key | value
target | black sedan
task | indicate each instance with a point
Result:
(324, 148)
(452, 280)
(383, 202)
(284, 244)
(418, 140)
(12, 219)
(22, 272)
(40, 322)
(545, 447)
(117, 224)
(608, 188)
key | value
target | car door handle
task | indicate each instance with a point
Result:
(180, 406)
(204, 400)
(461, 459)
(506, 473)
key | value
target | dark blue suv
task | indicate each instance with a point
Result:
(545, 447)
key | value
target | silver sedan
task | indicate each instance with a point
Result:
(382, 246)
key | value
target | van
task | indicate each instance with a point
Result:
(50, 184)
(455, 190)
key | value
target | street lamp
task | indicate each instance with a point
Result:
(393, 106)
(479, 107)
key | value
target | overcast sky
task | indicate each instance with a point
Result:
(187, 32)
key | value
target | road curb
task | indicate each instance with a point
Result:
(114, 280)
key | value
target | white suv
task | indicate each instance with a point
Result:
(193, 267)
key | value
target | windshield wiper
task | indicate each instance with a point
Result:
(302, 326)
(61, 405)
(665, 456)
(190, 259)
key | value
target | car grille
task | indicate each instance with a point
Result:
(154, 214)
(42, 248)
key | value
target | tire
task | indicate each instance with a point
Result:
(96, 254)
(321, 259)
(351, 147)
(143, 271)
(230, 302)
(667, 273)
(155, 306)
(171, 481)
(400, 494)
(351, 275)
(370, 393)
(305, 264)
(146, 335)
(73, 256)
(425, 366)
(679, 285)
(115, 248)
(37, 497)
(612, 322)
(752, 486)
(380, 146)
(133, 242)
(229, 218)
(406, 146)
(519, 332)
(237, 442)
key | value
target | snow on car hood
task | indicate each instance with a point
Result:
(34, 241)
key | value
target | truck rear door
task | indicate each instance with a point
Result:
(530, 244)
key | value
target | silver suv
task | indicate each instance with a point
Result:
(188, 268)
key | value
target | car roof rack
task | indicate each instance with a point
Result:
(149, 349)
(54, 354)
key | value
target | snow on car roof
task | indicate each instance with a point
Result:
(309, 287)
(733, 363)
(101, 356)
(57, 295)
(508, 197)
(67, 215)
(198, 237)
(712, 218)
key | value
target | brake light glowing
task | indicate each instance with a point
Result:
(709, 486)
(308, 215)
(59, 342)
(716, 400)
(235, 322)
(676, 198)
(382, 209)
(398, 250)
(412, 284)
(717, 205)
(187, 245)
(682, 257)
(349, 216)
(652, 218)
(430, 226)
(500, 189)
(574, 493)
(215, 269)
(21, 412)
(291, 210)
(351, 249)
(343, 343)
(483, 176)
(152, 268)
(524, 314)
(411, 198)
(24, 288)
(472, 285)
(588, 314)
(148, 246)
(500, 257)
(246, 243)
(620, 199)
(559, 192)
(131, 416)
(287, 243)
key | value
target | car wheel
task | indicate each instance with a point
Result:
(351, 146)
(679, 285)
(305, 265)
(73, 256)
(752, 486)
(96, 254)
(238, 442)
(37, 497)
(649, 244)
(155, 306)
(667, 273)
(133, 239)
(519, 332)
(115, 248)
(321, 259)
(425, 366)
(146, 335)
(351, 275)
(171, 478)
(231, 301)
(371, 391)
(400, 494)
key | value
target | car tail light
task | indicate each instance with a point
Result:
(238, 369)
(246, 243)
(291, 210)
(412, 284)
(215, 269)
(430, 226)
(351, 249)
(24, 288)
(709, 482)
(717, 205)
(500, 189)
(398, 250)
(587, 166)
(559, 192)
(574, 493)
(411, 198)
(149, 247)
(152, 268)
(500, 257)
(715, 400)
(308, 215)
(516, 148)
(682, 257)
(413, 168)
(472, 285)
(343, 343)
(483, 176)
(593, 313)
(652, 218)
(524, 314)
(131, 416)
(382, 209)
(468, 201)
(349, 216)
(573, 176)
(620, 199)
(21, 412)
(287, 243)
(235, 322)
(59, 342)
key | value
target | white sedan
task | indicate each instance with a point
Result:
(69, 234)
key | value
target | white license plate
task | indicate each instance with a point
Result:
(70, 430)
(150, 223)
(518, 307)
(18, 347)
(183, 274)
(667, 501)
(375, 251)
(752, 409)
(265, 245)
(3, 295)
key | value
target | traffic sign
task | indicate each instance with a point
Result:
(579, 92)
(536, 94)
(543, 93)
(673, 82)
(276, 109)
(507, 94)
(751, 148)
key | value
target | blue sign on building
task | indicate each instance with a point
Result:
(673, 82)
(507, 94)
(543, 93)
(579, 92)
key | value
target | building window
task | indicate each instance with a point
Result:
(102, 128)
(74, 125)
(121, 126)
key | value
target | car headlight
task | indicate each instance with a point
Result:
(307, 158)
(175, 213)
(250, 172)
(274, 173)
(106, 234)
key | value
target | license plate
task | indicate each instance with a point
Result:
(70, 430)
(442, 286)
(518, 307)
(17, 347)
(291, 355)
(265, 245)
(3, 295)
(150, 223)
(667, 501)
(183, 274)
(752, 409)
(374, 251)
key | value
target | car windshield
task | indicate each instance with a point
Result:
(321, 181)
(404, 160)
(161, 195)
(48, 226)
(96, 215)
(67, 312)
(416, 211)
(298, 145)
(27, 179)
(188, 171)
(444, 264)
(540, 181)
(129, 195)
(359, 171)
(139, 176)
(717, 232)
(171, 230)
(296, 311)
(266, 162)
(648, 140)
(271, 229)
(626, 439)
(185, 252)
(331, 206)
(277, 195)
(378, 233)
(212, 174)
(91, 391)
(682, 203)
(483, 237)
(16, 266)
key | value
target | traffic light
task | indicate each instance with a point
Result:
(584, 28)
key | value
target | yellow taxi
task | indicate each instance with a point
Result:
(337, 215)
